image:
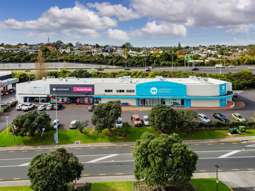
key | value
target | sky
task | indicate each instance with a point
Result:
(140, 22)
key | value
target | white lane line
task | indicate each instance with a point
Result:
(102, 158)
(229, 154)
(253, 145)
(24, 164)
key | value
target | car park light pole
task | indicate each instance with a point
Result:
(56, 124)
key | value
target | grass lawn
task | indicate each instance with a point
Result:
(199, 184)
(112, 186)
(208, 185)
(15, 188)
(90, 136)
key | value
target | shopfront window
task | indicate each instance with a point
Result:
(155, 102)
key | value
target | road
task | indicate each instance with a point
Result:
(117, 160)
(67, 65)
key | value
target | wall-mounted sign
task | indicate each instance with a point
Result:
(160, 88)
(71, 89)
(83, 89)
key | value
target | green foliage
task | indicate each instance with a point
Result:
(163, 161)
(80, 73)
(31, 123)
(187, 120)
(105, 115)
(54, 171)
(23, 76)
(81, 125)
(163, 119)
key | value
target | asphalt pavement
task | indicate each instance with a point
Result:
(117, 160)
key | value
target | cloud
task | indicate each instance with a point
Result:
(163, 28)
(78, 19)
(121, 12)
(117, 34)
(198, 12)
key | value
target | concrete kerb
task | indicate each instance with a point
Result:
(95, 179)
(248, 139)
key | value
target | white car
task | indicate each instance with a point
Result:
(73, 124)
(19, 107)
(56, 123)
(41, 107)
(49, 107)
(146, 120)
(203, 118)
(119, 123)
(27, 106)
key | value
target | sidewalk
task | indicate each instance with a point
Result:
(246, 139)
(241, 179)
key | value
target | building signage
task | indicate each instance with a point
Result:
(71, 89)
(82, 89)
(160, 88)
(154, 91)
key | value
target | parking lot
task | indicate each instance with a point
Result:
(80, 112)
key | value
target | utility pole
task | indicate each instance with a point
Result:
(217, 177)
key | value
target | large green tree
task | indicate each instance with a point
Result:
(105, 115)
(163, 118)
(31, 123)
(54, 171)
(163, 161)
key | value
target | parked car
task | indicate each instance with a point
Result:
(59, 105)
(90, 108)
(136, 120)
(220, 117)
(27, 106)
(73, 124)
(238, 117)
(41, 107)
(56, 123)
(146, 120)
(49, 107)
(12, 102)
(119, 123)
(237, 130)
(19, 107)
(203, 118)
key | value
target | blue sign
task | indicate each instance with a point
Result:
(161, 88)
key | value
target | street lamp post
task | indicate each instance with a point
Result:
(217, 177)
(56, 123)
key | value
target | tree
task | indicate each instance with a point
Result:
(163, 118)
(54, 171)
(31, 123)
(163, 161)
(105, 115)
(186, 120)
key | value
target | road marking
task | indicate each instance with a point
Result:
(102, 158)
(229, 154)
(253, 145)
(24, 164)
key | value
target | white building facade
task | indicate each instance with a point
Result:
(148, 92)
